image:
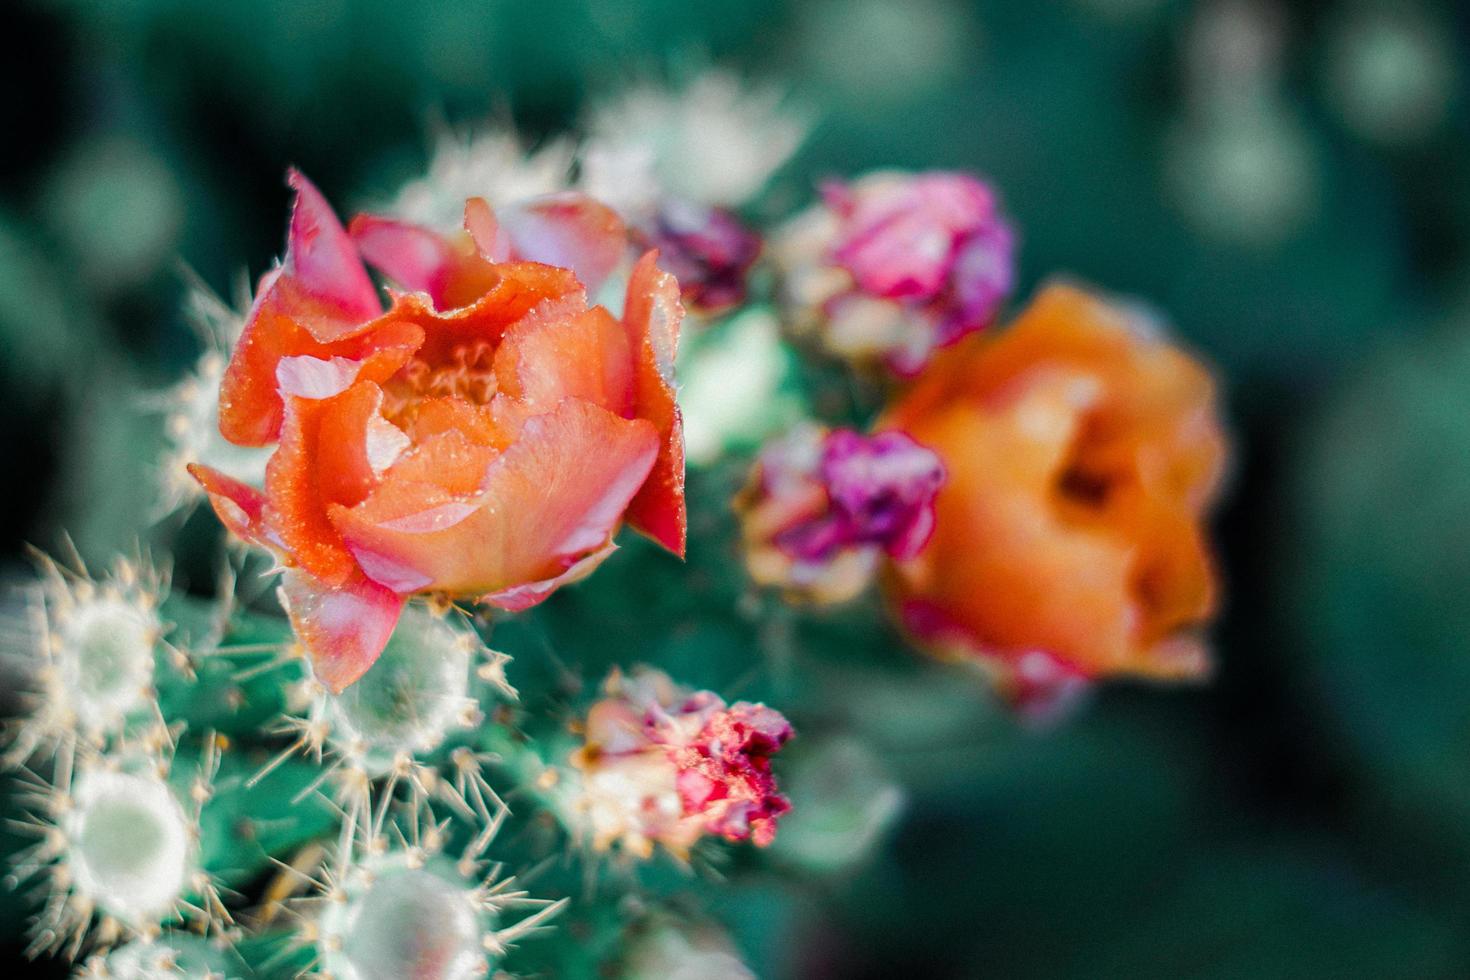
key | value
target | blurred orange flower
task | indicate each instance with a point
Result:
(1083, 454)
(483, 437)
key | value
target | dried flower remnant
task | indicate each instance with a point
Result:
(893, 266)
(708, 249)
(484, 437)
(678, 162)
(663, 764)
(1084, 452)
(821, 509)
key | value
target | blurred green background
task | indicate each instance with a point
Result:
(1288, 182)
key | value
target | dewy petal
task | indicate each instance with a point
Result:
(450, 269)
(542, 360)
(548, 500)
(323, 460)
(518, 289)
(570, 230)
(485, 231)
(250, 398)
(240, 507)
(414, 257)
(314, 377)
(521, 597)
(652, 315)
(343, 628)
(322, 259)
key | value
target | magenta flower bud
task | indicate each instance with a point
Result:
(725, 772)
(666, 765)
(891, 267)
(708, 249)
(822, 507)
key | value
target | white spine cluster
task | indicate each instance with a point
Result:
(170, 956)
(117, 852)
(715, 140)
(393, 904)
(190, 408)
(93, 647)
(496, 164)
(387, 734)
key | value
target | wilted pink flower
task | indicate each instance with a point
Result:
(708, 249)
(893, 266)
(663, 764)
(821, 507)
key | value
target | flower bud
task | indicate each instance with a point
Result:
(709, 250)
(894, 266)
(663, 764)
(821, 507)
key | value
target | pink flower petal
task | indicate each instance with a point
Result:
(522, 597)
(569, 230)
(344, 628)
(323, 261)
(240, 507)
(416, 258)
(490, 239)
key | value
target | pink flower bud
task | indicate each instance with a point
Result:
(708, 249)
(893, 266)
(666, 765)
(822, 507)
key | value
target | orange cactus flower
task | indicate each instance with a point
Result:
(483, 437)
(1083, 453)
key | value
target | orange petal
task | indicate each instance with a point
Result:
(522, 597)
(1083, 451)
(343, 628)
(477, 423)
(551, 498)
(543, 359)
(451, 461)
(332, 451)
(250, 399)
(651, 316)
(518, 288)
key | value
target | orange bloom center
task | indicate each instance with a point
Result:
(468, 374)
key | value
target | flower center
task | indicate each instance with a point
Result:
(468, 374)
